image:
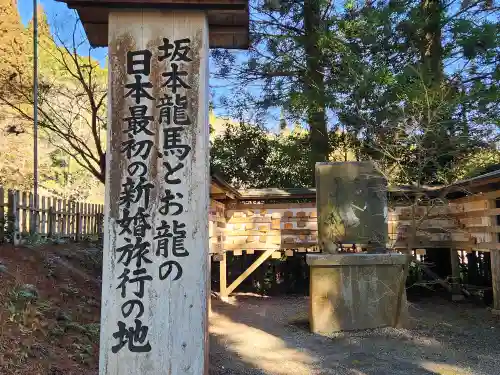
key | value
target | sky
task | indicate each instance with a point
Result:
(58, 15)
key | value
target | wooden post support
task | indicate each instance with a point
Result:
(155, 288)
(155, 274)
(495, 280)
(261, 259)
(223, 277)
(456, 290)
(495, 261)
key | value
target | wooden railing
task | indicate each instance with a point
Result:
(22, 215)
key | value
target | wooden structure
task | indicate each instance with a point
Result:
(70, 219)
(228, 20)
(57, 218)
(155, 265)
(463, 217)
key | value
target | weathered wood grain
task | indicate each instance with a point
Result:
(175, 308)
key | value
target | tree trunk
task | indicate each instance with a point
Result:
(314, 86)
(102, 164)
(431, 49)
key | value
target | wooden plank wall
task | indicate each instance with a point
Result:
(476, 217)
(284, 226)
(216, 225)
(464, 225)
(435, 228)
(48, 216)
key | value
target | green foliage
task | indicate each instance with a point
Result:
(248, 156)
(477, 163)
(25, 307)
(415, 83)
(419, 114)
(34, 240)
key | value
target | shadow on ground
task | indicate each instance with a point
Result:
(254, 336)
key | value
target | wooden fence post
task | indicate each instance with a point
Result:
(64, 218)
(74, 219)
(59, 217)
(23, 209)
(79, 227)
(51, 221)
(32, 214)
(100, 223)
(13, 220)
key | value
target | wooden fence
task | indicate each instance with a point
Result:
(21, 215)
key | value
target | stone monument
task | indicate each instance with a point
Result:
(351, 199)
(155, 290)
(354, 291)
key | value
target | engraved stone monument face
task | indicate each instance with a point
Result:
(351, 199)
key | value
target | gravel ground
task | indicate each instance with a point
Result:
(261, 336)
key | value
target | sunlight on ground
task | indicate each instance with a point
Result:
(259, 338)
(444, 369)
(259, 348)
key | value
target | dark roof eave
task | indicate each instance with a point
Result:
(460, 187)
(219, 181)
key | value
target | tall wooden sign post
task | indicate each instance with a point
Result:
(155, 275)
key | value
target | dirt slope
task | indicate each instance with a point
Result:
(49, 310)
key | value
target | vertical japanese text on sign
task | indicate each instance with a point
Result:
(135, 219)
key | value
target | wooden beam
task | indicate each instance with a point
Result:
(218, 196)
(299, 219)
(495, 279)
(486, 246)
(223, 276)
(230, 233)
(299, 244)
(252, 245)
(402, 244)
(273, 193)
(495, 264)
(299, 231)
(249, 220)
(273, 206)
(474, 213)
(477, 197)
(480, 229)
(261, 259)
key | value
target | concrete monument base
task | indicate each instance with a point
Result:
(356, 291)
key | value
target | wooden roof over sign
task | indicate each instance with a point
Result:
(228, 20)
